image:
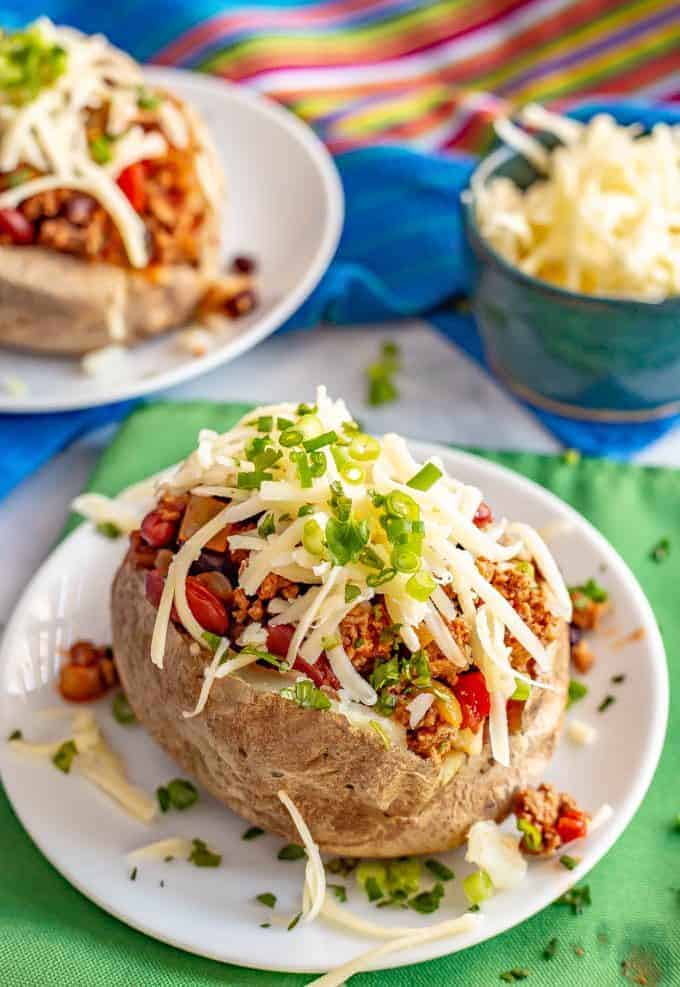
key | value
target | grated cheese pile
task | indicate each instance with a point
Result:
(49, 132)
(321, 503)
(605, 219)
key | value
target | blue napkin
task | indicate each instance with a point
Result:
(402, 253)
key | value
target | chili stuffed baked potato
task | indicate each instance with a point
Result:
(308, 608)
(109, 198)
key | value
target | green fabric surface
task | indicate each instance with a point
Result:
(51, 934)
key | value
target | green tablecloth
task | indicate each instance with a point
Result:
(52, 935)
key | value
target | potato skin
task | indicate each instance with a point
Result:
(358, 799)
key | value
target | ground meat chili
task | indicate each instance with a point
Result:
(549, 819)
(87, 672)
(368, 636)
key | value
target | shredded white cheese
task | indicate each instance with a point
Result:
(107, 510)
(497, 853)
(209, 676)
(581, 733)
(178, 847)
(315, 875)
(603, 218)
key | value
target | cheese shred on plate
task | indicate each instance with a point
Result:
(350, 518)
(603, 216)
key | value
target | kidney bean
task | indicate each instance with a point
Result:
(84, 653)
(208, 561)
(207, 608)
(14, 224)
(278, 639)
(157, 530)
(78, 209)
(243, 265)
(217, 583)
(80, 683)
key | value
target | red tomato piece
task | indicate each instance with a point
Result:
(157, 530)
(571, 827)
(483, 515)
(471, 692)
(132, 182)
(14, 224)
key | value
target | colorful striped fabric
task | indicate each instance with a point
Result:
(434, 74)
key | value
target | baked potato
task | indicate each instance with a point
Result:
(110, 234)
(264, 652)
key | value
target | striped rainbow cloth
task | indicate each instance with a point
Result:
(430, 74)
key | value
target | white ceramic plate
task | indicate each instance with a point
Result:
(284, 208)
(213, 912)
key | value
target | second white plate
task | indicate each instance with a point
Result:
(284, 208)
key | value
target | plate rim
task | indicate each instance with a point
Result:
(601, 841)
(280, 311)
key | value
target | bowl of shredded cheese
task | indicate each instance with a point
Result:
(576, 230)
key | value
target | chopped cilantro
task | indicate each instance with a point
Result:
(252, 833)
(133, 874)
(266, 526)
(292, 851)
(15, 735)
(294, 921)
(618, 679)
(267, 899)
(201, 856)
(265, 925)
(341, 865)
(592, 590)
(606, 703)
(577, 691)
(163, 797)
(306, 694)
(373, 890)
(340, 892)
(63, 759)
(179, 794)
(440, 870)
(517, 973)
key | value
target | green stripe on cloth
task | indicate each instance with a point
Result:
(52, 934)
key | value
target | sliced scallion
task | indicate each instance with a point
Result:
(425, 477)
(420, 586)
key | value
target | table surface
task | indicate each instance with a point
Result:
(444, 397)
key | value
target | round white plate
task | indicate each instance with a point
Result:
(284, 208)
(213, 912)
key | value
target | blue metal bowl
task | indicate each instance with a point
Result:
(582, 356)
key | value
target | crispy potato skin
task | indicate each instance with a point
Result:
(51, 302)
(358, 799)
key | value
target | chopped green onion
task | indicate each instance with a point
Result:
(294, 921)
(352, 474)
(532, 838)
(109, 529)
(267, 526)
(421, 586)
(332, 641)
(440, 870)
(319, 441)
(577, 691)
(267, 899)
(351, 592)
(405, 559)
(346, 540)
(477, 887)
(364, 448)
(178, 793)
(526, 568)
(425, 477)
(265, 423)
(163, 797)
(375, 579)
(100, 149)
(399, 504)
(306, 510)
(201, 856)
(292, 851)
(592, 590)
(29, 62)
(212, 640)
(63, 758)
(427, 901)
(303, 469)
(15, 735)
(147, 100)
(381, 732)
(252, 833)
(382, 388)
(339, 890)
(251, 481)
(121, 709)
(306, 695)
(317, 463)
(550, 950)
(283, 424)
(312, 537)
(267, 458)
(606, 703)
(306, 409)
(291, 437)
(369, 557)
(569, 862)
(310, 426)
(372, 877)
(576, 898)
(522, 691)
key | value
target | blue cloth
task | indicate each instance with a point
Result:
(402, 253)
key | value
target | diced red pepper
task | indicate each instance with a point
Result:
(571, 827)
(471, 692)
(14, 224)
(132, 182)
